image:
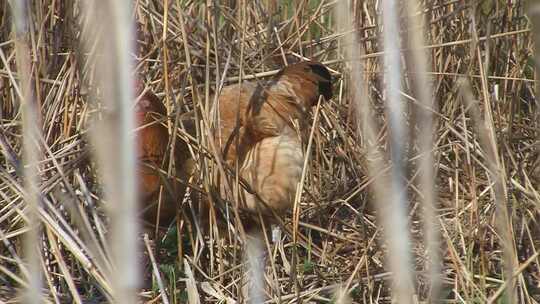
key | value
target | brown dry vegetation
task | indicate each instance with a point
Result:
(482, 70)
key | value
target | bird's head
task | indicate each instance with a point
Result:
(312, 77)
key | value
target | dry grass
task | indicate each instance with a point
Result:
(472, 119)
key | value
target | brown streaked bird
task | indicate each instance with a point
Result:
(153, 140)
(257, 129)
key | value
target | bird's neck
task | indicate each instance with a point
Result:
(296, 90)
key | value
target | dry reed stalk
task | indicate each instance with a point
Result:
(393, 214)
(391, 209)
(155, 270)
(485, 128)
(63, 266)
(191, 285)
(534, 12)
(254, 260)
(367, 127)
(31, 135)
(112, 138)
(424, 115)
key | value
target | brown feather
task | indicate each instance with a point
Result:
(257, 130)
(152, 143)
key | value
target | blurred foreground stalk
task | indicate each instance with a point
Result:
(31, 137)
(112, 136)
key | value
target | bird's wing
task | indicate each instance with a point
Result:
(152, 139)
(238, 105)
(273, 168)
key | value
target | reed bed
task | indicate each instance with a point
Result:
(462, 181)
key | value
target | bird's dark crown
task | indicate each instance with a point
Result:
(313, 71)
